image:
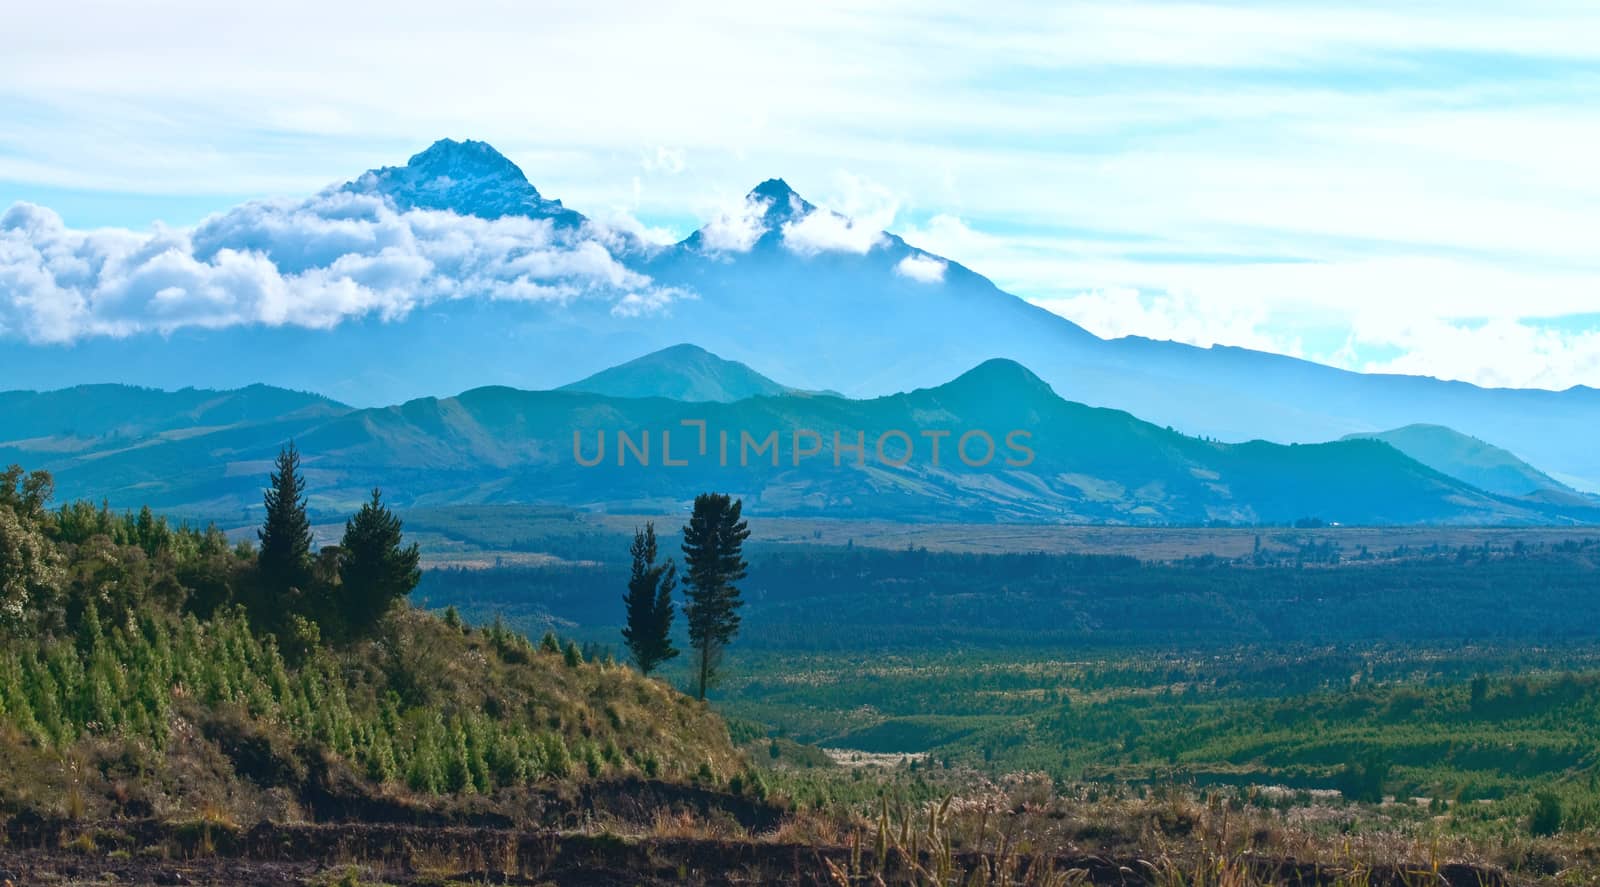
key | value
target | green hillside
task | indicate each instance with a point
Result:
(1008, 449)
(150, 669)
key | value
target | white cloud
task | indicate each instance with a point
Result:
(822, 230)
(948, 235)
(621, 231)
(666, 160)
(1114, 313)
(1369, 319)
(865, 210)
(310, 263)
(736, 229)
(648, 302)
(922, 268)
(1524, 355)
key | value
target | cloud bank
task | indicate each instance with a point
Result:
(311, 263)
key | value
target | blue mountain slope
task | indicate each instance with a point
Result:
(1477, 462)
(682, 372)
(850, 321)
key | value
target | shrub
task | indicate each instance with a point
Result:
(1547, 814)
(557, 762)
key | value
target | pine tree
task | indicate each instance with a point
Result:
(285, 556)
(375, 572)
(648, 632)
(713, 545)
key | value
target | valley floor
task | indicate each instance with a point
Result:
(512, 535)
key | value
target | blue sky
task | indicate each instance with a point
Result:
(1396, 187)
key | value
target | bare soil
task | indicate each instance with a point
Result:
(148, 852)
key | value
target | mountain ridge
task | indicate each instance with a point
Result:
(843, 317)
(993, 444)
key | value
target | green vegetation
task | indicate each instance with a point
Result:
(1015, 708)
(1493, 755)
(849, 599)
(149, 667)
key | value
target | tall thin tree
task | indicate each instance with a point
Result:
(375, 571)
(648, 632)
(713, 547)
(285, 556)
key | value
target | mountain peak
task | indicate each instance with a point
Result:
(773, 189)
(466, 159)
(682, 372)
(1001, 372)
(784, 204)
(997, 385)
(467, 177)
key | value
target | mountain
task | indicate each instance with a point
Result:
(1467, 458)
(807, 295)
(682, 372)
(125, 412)
(470, 178)
(995, 444)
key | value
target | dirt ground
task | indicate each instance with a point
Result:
(56, 852)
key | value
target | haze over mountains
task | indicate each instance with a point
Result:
(807, 295)
(1477, 462)
(1031, 457)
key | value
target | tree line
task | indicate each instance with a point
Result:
(59, 566)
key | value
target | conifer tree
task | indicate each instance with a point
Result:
(648, 632)
(375, 572)
(713, 546)
(285, 556)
